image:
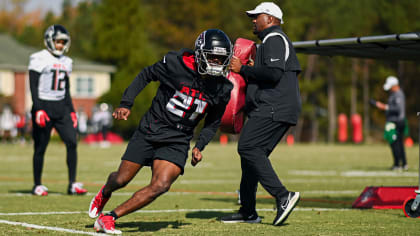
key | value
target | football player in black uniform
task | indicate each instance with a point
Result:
(49, 72)
(193, 85)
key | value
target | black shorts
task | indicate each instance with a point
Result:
(142, 151)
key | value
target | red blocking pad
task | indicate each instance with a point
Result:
(233, 118)
(384, 197)
(111, 137)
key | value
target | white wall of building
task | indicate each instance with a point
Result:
(89, 84)
(7, 83)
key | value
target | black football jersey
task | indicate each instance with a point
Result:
(183, 98)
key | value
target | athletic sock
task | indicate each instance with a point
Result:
(112, 213)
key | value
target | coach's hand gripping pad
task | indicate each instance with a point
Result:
(233, 118)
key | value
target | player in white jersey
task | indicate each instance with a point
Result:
(49, 72)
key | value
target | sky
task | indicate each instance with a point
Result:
(43, 5)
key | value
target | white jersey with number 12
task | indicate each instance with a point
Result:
(53, 70)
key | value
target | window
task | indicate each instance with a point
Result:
(84, 86)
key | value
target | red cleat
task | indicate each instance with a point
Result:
(106, 224)
(97, 204)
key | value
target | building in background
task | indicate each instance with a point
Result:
(88, 81)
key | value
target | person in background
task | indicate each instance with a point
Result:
(82, 122)
(102, 119)
(21, 125)
(8, 122)
(395, 121)
(52, 106)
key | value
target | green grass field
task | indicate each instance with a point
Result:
(329, 177)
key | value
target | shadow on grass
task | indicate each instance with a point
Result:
(327, 202)
(205, 214)
(314, 202)
(145, 226)
(267, 200)
(209, 214)
(373, 168)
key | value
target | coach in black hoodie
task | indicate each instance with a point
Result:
(273, 105)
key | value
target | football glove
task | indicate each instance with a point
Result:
(74, 119)
(41, 118)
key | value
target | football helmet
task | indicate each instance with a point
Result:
(213, 51)
(54, 33)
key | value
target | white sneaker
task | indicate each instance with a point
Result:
(105, 144)
(76, 189)
(40, 190)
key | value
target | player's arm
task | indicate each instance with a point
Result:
(33, 84)
(69, 102)
(67, 96)
(381, 106)
(211, 124)
(148, 74)
(41, 117)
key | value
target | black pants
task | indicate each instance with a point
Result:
(258, 138)
(397, 147)
(41, 136)
(104, 130)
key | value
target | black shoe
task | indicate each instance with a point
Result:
(241, 217)
(285, 206)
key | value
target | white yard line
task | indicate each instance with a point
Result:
(358, 173)
(42, 213)
(186, 181)
(23, 224)
(353, 173)
(313, 172)
(331, 192)
(113, 194)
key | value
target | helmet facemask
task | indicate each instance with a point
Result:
(213, 62)
(53, 34)
(213, 51)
